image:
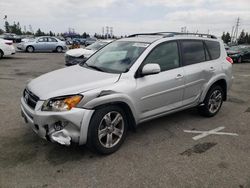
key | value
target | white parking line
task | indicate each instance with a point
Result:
(243, 75)
(207, 133)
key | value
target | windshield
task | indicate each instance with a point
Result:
(116, 57)
(96, 46)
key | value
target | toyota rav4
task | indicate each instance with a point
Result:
(129, 81)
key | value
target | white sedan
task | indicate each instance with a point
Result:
(6, 48)
(75, 56)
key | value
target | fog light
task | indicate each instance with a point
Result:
(58, 126)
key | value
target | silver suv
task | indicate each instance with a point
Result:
(129, 81)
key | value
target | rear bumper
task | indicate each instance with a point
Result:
(61, 127)
(9, 51)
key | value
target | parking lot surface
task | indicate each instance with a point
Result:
(158, 154)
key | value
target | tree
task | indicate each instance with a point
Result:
(241, 39)
(51, 33)
(39, 32)
(227, 38)
(1, 31)
(7, 27)
(223, 36)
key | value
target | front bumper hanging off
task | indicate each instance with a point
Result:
(61, 127)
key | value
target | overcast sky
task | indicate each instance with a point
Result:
(128, 16)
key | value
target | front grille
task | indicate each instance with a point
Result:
(30, 98)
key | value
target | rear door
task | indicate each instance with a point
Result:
(51, 44)
(193, 58)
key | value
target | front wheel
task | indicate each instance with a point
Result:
(107, 130)
(212, 102)
(30, 49)
(59, 49)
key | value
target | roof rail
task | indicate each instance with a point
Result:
(171, 34)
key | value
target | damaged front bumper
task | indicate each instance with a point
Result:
(62, 127)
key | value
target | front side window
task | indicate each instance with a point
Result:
(192, 52)
(44, 39)
(116, 57)
(166, 55)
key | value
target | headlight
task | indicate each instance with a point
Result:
(61, 103)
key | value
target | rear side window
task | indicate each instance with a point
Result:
(192, 52)
(213, 48)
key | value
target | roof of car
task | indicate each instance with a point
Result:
(152, 37)
(142, 38)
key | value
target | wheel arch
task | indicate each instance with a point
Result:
(221, 82)
(123, 105)
(1, 52)
(26, 49)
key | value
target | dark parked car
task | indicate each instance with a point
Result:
(90, 41)
(11, 36)
(239, 54)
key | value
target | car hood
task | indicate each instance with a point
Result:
(79, 52)
(68, 81)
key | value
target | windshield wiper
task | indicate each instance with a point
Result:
(95, 67)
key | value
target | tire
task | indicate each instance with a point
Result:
(59, 49)
(1, 54)
(212, 105)
(104, 135)
(30, 49)
(239, 60)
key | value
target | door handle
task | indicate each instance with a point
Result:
(179, 76)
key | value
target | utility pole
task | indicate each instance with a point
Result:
(235, 33)
(232, 38)
(237, 28)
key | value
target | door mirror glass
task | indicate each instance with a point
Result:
(151, 68)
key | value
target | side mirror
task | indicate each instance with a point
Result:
(151, 68)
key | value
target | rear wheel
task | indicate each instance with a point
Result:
(107, 130)
(240, 59)
(30, 49)
(59, 49)
(212, 102)
(1, 54)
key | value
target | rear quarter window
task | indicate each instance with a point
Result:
(213, 48)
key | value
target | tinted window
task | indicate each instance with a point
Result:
(213, 48)
(193, 52)
(166, 55)
(52, 40)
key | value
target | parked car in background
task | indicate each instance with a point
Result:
(127, 82)
(239, 54)
(6, 48)
(75, 56)
(44, 43)
(90, 41)
(11, 36)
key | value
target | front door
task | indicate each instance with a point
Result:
(161, 92)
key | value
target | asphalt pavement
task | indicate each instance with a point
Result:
(158, 154)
